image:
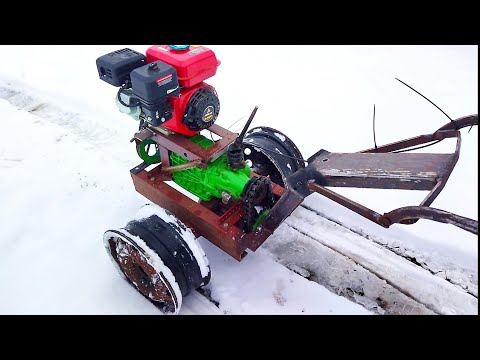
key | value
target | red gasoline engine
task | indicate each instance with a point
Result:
(166, 87)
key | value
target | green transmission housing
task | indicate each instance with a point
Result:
(211, 182)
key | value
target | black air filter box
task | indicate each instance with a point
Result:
(154, 82)
(115, 68)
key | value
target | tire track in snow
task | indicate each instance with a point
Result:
(324, 265)
(100, 133)
(196, 303)
(434, 292)
(467, 280)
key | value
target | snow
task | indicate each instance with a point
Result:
(280, 136)
(456, 259)
(379, 261)
(258, 285)
(338, 273)
(64, 180)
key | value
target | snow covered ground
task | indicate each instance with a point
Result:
(65, 156)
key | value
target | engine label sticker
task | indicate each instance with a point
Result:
(164, 80)
(208, 113)
(196, 51)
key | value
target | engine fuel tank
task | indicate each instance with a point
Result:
(194, 63)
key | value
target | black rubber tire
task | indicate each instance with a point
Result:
(165, 240)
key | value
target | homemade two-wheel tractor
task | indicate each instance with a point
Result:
(246, 184)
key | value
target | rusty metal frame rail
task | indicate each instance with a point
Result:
(384, 168)
(220, 228)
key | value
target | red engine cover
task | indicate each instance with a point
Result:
(179, 105)
(194, 64)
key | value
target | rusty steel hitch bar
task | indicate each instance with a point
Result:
(386, 167)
